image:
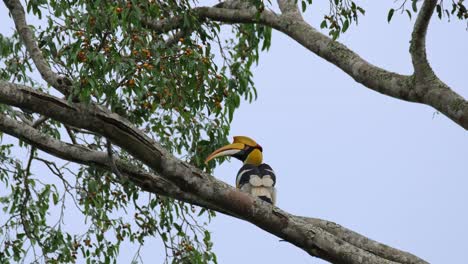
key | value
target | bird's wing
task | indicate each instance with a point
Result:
(265, 169)
(243, 176)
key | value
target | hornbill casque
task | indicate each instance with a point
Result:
(254, 177)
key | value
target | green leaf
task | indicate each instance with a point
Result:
(360, 9)
(201, 211)
(390, 15)
(323, 24)
(304, 6)
(414, 6)
(409, 13)
(439, 11)
(335, 34)
(345, 25)
(55, 198)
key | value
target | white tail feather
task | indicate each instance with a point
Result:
(260, 187)
(261, 191)
(267, 181)
(255, 181)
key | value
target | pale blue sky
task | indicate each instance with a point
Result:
(392, 170)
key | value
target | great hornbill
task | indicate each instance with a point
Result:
(254, 177)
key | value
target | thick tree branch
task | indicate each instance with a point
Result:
(222, 14)
(289, 7)
(82, 155)
(238, 15)
(149, 182)
(432, 91)
(60, 83)
(361, 241)
(207, 190)
(375, 78)
(418, 39)
(163, 25)
(428, 87)
(385, 82)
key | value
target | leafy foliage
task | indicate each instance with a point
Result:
(341, 15)
(181, 86)
(457, 9)
(16, 65)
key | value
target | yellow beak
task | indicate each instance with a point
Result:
(227, 150)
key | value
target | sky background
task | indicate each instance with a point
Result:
(394, 171)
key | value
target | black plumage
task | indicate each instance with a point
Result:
(257, 180)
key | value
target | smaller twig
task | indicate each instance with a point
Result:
(114, 168)
(71, 135)
(27, 195)
(57, 172)
(22, 116)
(83, 131)
(39, 121)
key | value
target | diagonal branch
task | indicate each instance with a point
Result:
(39, 121)
(206, 189)
(82, 155)
(432, 92)
(356, 239)
(418, 39)
(385, 82)
(62, 84)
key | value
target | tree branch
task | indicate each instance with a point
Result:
(82, 155)
(382, 81)
(204, 188)
(163, 25)
(418, 39)
(289, 7)
(110, 155)
(39, 121)
(218, 13)
(432, 91)
(71, 135)
(427, 86)
(358, 240)
(62, 84)
(238, 15)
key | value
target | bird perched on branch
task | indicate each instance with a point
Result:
(254, 177)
